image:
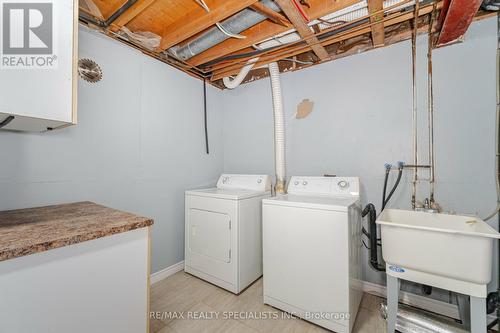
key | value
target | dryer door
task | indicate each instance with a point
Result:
(209, 234)
(211, 229)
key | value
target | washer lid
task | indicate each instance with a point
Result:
(228, 194)
(340, 204)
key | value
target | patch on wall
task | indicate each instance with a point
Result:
(304, 109)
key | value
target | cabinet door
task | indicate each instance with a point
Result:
(38, 56)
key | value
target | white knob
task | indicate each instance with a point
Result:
(296, 183)
(259, 181)
(343, 184)
(304, 183)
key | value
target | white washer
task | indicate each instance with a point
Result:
(312, 251)
(223, 230)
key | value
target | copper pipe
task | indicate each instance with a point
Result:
(430, 96)
(415, 113)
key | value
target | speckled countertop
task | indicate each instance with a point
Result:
(33, 230)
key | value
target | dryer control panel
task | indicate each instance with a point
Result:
(261, 183)
(333, 186)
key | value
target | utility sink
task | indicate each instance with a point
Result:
(437, 247)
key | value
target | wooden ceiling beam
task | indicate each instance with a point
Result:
(302, 28)
(198, 20)
(130, 14)
(271, 14)
(298, 49)
(266, 30)
(456, 20)
(356, 45)
(376, 10)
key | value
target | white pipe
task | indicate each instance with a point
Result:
(497, 134)
(229, 34)
(233, 83)
(279, 127)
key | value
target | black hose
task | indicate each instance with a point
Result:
(398, 180)
(372, 218)
(384, 192)
(492, 324)
(6, 121)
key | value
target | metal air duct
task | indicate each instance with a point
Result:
(237, 23)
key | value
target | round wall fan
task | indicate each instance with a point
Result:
(89, 70)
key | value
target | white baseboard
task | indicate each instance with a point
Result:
(165, 273)
(426, 303)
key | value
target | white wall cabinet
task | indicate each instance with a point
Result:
(38, 64)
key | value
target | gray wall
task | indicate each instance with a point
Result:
(362, 119)
(139, 142)
(138, 145)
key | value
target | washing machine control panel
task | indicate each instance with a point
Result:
(341, 186)
(246, 182)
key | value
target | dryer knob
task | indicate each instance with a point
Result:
(343, 184)
(304, 183)
(296, 183)
(259, 181)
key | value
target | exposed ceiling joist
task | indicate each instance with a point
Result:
(356, 45)
(376, 10)
(298, 49)
(181, 21)
(271, 14)
(302, 28)
(198, 20)
(455, 19)
(266, 30)
(131, 13)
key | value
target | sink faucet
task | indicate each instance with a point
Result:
(429, 206)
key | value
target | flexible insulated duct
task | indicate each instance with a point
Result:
(412, 320)
(233, 83)
(279, 127)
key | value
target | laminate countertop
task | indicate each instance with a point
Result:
(33, 230)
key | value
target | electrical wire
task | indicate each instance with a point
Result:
(203, 5)
(298, 61)
(228, 33)
(205, 115)
(301, 11)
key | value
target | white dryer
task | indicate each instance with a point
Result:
(223, 230)
(312, 251)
